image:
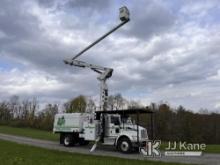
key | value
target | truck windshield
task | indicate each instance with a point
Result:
(127, 120)
(115, 120)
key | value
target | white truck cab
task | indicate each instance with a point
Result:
(109, 129)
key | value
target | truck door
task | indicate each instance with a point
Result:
(114, 125)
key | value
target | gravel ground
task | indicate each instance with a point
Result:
(208, 159)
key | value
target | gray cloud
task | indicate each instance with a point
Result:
(154, 53)
(95, 4)
(47, 3)
(16, 23)
(149, 18)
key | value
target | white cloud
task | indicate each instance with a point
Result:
(158, 55)
(215, 77)
(16, 82)
(199, 9)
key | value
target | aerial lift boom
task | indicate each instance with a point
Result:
(104, 72)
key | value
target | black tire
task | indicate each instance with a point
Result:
(68, 140)
(61, 138)
(124, 145)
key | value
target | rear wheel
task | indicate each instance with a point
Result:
(68, 140)
(61, 138)
(124, 145)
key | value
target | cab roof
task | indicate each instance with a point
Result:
(127, 111)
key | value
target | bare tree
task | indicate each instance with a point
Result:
(134, 104)
(5, 114)
(78, 104)
(116, 102)
(90, 106)
(14, 106)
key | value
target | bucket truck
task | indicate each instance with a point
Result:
(107, 127)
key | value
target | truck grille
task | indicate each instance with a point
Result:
(143, 134)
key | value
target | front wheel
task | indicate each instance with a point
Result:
(124, 145)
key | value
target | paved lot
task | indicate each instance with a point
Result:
(208, 159)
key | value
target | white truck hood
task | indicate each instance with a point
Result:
(132, 130)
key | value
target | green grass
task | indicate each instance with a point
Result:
(29, 132)
(17, 154)
(212, 148)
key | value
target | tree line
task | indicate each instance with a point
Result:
(169, 124)
(179, 124)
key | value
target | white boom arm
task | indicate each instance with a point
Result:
(104, 72)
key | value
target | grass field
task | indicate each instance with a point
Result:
(45, 135)
(29, 132)
(17, 154)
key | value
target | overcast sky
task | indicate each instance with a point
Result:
(168, 51)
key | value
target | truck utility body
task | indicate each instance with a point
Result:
(108, 127)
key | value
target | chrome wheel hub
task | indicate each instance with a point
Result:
(124, 146)
(67, 141)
